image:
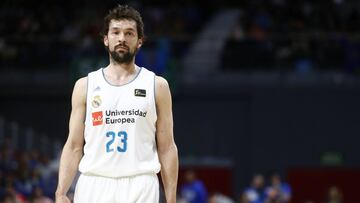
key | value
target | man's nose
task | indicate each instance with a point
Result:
(121, 37)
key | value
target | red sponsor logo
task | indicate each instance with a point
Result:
(97, 118)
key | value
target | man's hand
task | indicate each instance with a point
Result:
(62, 199)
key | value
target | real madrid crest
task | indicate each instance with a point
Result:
(96, 102)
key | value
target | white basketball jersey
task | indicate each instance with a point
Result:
(120, 127)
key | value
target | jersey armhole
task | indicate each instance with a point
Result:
(86, 98)
(155, 107)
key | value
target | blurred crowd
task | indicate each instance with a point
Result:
(277, 190)
(26, 176)
(30, 176)
(270, 35)
(53, 35)
(295, 35)
(274, 189)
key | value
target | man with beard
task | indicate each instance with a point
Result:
(119, 161)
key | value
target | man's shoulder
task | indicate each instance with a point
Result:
(81, 82)
(160, 81)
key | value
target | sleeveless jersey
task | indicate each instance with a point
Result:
(120, 127)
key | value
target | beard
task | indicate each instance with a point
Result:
(122, 58)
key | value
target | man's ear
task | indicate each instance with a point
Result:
(106, 41)
(140, 43)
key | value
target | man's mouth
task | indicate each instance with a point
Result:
(121, 47)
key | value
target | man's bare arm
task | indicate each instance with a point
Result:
(167, 149)
(73, 148)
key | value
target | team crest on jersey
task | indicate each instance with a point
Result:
(97, 118)
(96, 102)
(140, 92)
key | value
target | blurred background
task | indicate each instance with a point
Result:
(266, 94)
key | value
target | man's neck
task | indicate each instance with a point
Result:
(121, 70)
(119, 74)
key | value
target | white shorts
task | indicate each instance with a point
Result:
(134, 189)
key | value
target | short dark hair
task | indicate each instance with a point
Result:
(123, 12)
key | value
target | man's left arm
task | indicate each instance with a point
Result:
(166, 146)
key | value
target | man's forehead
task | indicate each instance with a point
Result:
(123, 23)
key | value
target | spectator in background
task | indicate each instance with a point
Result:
(193, 190)
(12, 196)
(243, 198)
(7, 159)
(23, 182)
(255, 192)
(38, 197)
(8, 198)
(220, 198)
(334, 195)
(278, 191)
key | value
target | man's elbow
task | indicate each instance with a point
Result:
(74, 147)
(170, 148)
(175, 149)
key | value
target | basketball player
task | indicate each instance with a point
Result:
(120, 130)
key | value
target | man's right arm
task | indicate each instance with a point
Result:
(73, 148)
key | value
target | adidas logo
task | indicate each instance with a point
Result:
(97, 89)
